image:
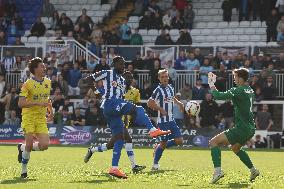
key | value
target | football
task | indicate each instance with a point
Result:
(192, 108)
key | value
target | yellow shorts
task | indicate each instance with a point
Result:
(35, 124)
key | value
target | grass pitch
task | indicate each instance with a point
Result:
(63, 167)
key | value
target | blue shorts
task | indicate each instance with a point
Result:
(173, 127)
(113, 110)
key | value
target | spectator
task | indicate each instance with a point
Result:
(74, 77)
(91, 64)
(280, 37)
(263, 120)
(19, 64)
(3, 40)
(269, 90)
(102, 65)
(154, 72)
(38, 28)
(271, 23)
(57, 99)
(66, 26)
(208, 112)
(10, 8)
(147, 90)
(227, 113)
(153, 7)
(82, 62)
(113, 38)
(47, 9)
(226, 61)
(12, 29)
(243, 10)
(8, 100)
(136, 38)
(180, 61)
(18, 21)
(110, 55)
(247, 65)
(9, 61)
(280, 5)
(162, 39)
(227, 7)
(280, 25)
(184, 38)
(85, 19)
(260, 143)
(138, 62)
(49, 73)
(198, 55)
(62, 117)
(203, 72)
(105, 33)
(78, 119)
(54, 21)
(189, 16)
(280, 63)
(222, 78)
(96, 33)
(259, 63)
(173, 11)
(181, 5)
(145, 22)
(63, 18)
(172, 72)
(18, 42)
(258, 94)
(13, 120)
(157, 22)
(167, 20)
(2, 85)
(93, 117)
(63, 85)
(84, 106)
(177, 114)
(26, 74)
(191, 63)
(177, 21)
(84, 86)
(198, 91)
(125, 31)
(68, 106)
(186, 92)
(138, 8)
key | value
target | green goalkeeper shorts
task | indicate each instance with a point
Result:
(237, 135)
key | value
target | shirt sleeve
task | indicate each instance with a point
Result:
(137, 100)
(100, 75)
(155, 94)
(24, 90)
(228, 95)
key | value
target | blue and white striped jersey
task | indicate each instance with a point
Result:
(164, 97)
(113, 83)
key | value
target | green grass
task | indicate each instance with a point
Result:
(63, 167)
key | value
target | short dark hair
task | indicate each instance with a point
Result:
(33, 64)
(242, 72)
(117, 59)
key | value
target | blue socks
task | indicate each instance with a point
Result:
(142, 118)
(158, 154)
(117, 152)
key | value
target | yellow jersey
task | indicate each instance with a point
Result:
(36, 91)
(132, 95)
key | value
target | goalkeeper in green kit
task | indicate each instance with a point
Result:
(242, 97)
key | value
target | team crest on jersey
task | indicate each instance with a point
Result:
(168, 99)
(35, 86)
(46, 86)
(114, 83)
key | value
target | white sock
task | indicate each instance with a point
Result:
(115, 167)
(35, 146)
(153, 129)
(130, 154)
(217, 169)
(23, 147)
(252, 169)
(26, 156)
(100, 148)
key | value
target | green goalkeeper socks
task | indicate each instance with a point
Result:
(216, 156)
(245, 158)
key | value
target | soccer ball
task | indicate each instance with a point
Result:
(192, 108)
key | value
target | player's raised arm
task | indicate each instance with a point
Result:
(97, 76)
(180, 104)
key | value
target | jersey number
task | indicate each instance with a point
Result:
(251, 103)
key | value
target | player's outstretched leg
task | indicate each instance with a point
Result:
(92, 149)
(141, 118)
(214, 143)
(237, 149)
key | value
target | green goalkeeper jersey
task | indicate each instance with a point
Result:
(242, 98)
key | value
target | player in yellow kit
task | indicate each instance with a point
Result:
(35, 103)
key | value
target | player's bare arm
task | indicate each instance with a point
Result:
(180, 104)
(153, 105)
(23, 103)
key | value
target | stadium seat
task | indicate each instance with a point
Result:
(96, 7)
(210, 38)
(202, 12)
(32, 39)
(212, 25)
(24, 39)
(106, 7)
(41, 39)
(44, 19)
(234, 24)
(195, 32)
(174, 38)
(222, 38)
(100, 13)
(227, 31)
(272, 44)
(249, 31)
(143, 32)
(233, 38)
(244, 24)
(260, 31)
(174, 32)
(243, 38)
(216, 31)
(238, 31)
(147, 39)
(213, 12)
(205, 32)
(66, 7)
(208, 5)
(255, 24)
(153, 32)
(135, 25)
(223, 24)
(82, 2)
(75, 7)
(200, 25)
(255, 38)
(198, 39)
(27, 32)
(133, 19)
(259, 44)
